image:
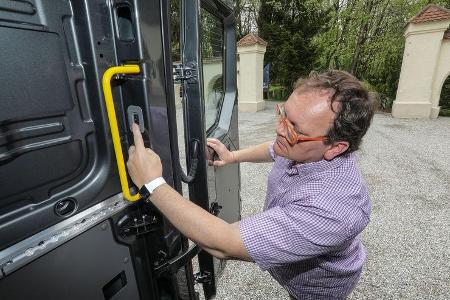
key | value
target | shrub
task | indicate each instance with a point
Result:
(386, 103)
(444, 112)
(278, 93)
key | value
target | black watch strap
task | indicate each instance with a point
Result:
(143, 191)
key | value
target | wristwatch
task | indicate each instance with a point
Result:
(147, 189)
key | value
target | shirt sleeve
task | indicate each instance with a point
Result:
(272, 153)
(283, 235)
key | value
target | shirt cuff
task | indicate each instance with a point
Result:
(271, 152)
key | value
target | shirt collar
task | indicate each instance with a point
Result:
(316, 166)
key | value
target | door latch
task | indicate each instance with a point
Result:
(215, 208)
(185, 73)
(203, 277)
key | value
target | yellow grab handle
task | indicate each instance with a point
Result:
(106, 81)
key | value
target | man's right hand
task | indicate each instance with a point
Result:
(143, 164)
(225, 156)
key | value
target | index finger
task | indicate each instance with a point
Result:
(212, 145)
(138, 141)
(212, 140)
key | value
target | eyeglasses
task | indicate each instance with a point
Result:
(291, 135)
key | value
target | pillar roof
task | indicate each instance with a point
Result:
(250, 40)
(431, 13)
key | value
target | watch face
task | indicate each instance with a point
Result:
(144, 192)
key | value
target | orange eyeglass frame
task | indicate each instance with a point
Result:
(292, 136)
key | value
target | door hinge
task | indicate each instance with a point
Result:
(204, 277)
(185, 73)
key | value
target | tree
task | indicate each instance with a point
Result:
(289, 27)
(246, 12)
(365, 37)
(175, 29)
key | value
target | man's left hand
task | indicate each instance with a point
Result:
(143, 164)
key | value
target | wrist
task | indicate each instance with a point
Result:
(148, 188)
(157, 191)
(234, 158)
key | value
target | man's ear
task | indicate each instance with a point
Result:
(335, 149)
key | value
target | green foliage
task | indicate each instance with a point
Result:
(444, 101)
(288, 27)
(278, 93)
(175, 19)
(364, 37)
(444, 112)
(211, 35)
(246, 12)
(443, 3)
(385, 102)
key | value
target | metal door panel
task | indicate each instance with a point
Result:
(77, 270)
(55, 141)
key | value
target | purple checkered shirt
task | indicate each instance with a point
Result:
(307, 235)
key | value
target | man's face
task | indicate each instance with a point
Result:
(310, 115)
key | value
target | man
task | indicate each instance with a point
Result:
(317, 202)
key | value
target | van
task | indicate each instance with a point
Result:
(75, 75)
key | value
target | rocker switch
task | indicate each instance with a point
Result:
(135, 116)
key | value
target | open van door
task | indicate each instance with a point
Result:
(66, 231)
(208, 76)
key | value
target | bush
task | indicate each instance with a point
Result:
(386, 103)
(444, 112)
(277, 93)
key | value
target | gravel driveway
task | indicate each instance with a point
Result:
(406, 164)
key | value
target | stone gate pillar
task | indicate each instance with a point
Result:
(251, 51)
(421, 64)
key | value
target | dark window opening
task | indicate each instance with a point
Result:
(125, 23)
